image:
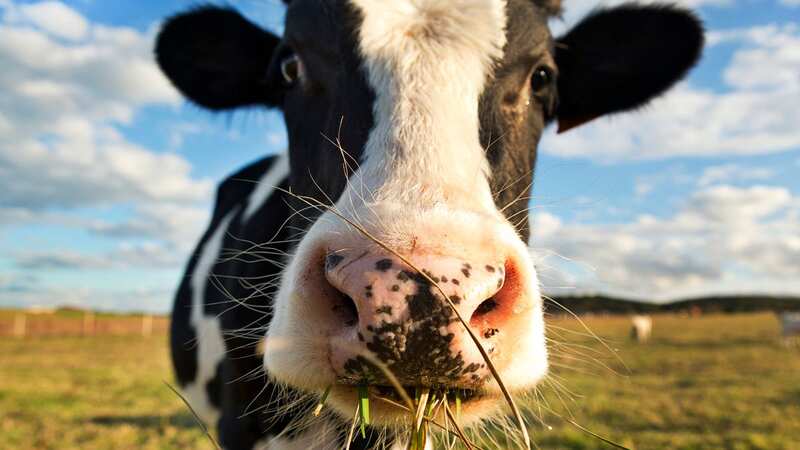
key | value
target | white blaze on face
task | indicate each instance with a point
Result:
(427, 62)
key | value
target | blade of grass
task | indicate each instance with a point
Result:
(321, 403)
(431, 403)
(363, 403)
(194, 414)
(458, 404)
(445, 427)
(401, 391)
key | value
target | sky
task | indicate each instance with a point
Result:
(107, 175)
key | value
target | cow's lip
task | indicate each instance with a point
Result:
(390, 393)
(387, 409)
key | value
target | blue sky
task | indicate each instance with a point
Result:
(108, 175)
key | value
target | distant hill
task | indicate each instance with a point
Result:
(600, 304)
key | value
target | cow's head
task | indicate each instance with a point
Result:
(438, 106)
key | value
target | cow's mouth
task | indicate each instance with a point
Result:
(389, 408)
(453, 394)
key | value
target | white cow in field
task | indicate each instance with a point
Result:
(790, 327)
(641, 327)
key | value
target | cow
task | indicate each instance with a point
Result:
(790, 327)
(641, 328)
(400, 206)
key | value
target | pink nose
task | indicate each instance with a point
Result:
(395, 313)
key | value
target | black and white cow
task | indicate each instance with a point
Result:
(419, 120)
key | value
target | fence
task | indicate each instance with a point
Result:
(22, 324)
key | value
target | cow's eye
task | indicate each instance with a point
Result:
(541, 79)
(291, 69)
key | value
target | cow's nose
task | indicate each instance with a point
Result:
(397, 313)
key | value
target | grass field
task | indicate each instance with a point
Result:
(716, 382)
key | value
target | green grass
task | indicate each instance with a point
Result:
(717, 382)
(93, 393)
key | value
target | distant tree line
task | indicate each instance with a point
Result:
(601, 304)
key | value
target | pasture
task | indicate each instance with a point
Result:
(713, 382)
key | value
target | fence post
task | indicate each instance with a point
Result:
(88, 323)
(147, 325)
(20, 325)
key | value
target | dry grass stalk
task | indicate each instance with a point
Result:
(593, 434)
(196, 417)
(458, 429)
(352, 432)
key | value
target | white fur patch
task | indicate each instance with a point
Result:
(210, 344)
(266, 186)
(428, 62)
(210, 351)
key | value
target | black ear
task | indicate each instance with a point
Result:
(217, 58)
(618, 59)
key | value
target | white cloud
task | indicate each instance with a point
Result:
(724, 239)
(56, 19)
(17, 283)
(730, 205)
(62, 103)
(178, 225)
(61, 260)
(80, 163)
(733, 172)
(69, 87)
(771, 61)
(126, 255)
(756, 115)
(672, 175)
(60, 146)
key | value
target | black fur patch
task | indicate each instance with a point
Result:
(214, 388)
(216, 58)
(619, 58)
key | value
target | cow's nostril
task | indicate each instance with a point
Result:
(346, 308)
(483, 310)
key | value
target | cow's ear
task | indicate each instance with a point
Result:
(618, 59)
(217, 58)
